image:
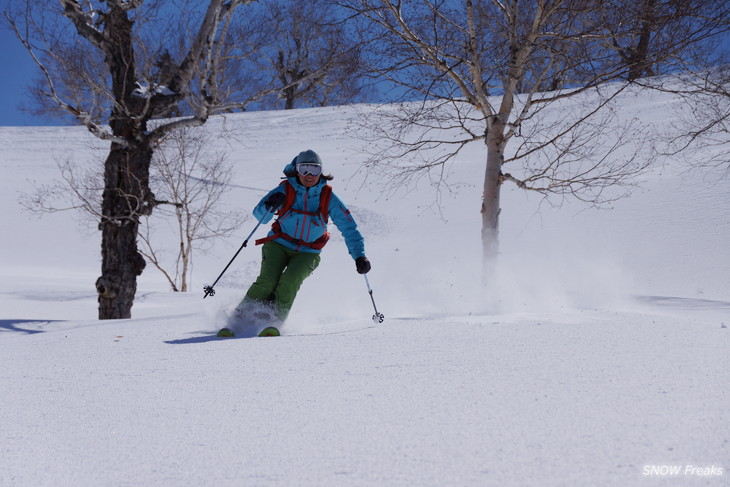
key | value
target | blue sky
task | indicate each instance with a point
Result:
(18, 71)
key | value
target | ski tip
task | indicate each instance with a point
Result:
(270, 332)
(225, 333)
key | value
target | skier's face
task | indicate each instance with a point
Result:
(309, 180)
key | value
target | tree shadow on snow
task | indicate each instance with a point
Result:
(12, 326)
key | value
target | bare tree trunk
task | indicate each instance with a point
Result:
(183, 218)
(124, 199)
(490, 199)
(126, 175)
(290, 97)
(638, 58)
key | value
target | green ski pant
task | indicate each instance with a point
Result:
(282, 273)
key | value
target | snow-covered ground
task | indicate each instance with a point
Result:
(599, 357)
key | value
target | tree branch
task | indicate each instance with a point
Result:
(84, 23)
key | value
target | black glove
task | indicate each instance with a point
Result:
(363, 265)
(275, 201)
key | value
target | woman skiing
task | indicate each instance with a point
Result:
(291, 252)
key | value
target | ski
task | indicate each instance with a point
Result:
(269, 331)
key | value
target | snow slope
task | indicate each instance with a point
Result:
(599, 357)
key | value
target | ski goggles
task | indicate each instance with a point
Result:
(309, 169)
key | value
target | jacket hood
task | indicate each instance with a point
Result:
(290, 170)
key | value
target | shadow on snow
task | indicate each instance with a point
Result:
(682, 303)
(12, 326)
(211, 338)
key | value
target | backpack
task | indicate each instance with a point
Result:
(323, 211)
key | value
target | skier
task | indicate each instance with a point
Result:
(291, 251)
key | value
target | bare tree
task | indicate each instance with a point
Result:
(79, 189)
(481, 66)
(705, 121)
(186, 172)
(702, 118)
(97, 59)
(650, 34)
(191, 176)
(310, 53)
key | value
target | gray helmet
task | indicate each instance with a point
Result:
(308, 157)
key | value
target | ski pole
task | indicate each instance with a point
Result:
(377, 317)
(209, 291)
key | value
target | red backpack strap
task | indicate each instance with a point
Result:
(290, 196)
(324, 202)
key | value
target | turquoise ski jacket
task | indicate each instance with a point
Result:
(310, 227)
